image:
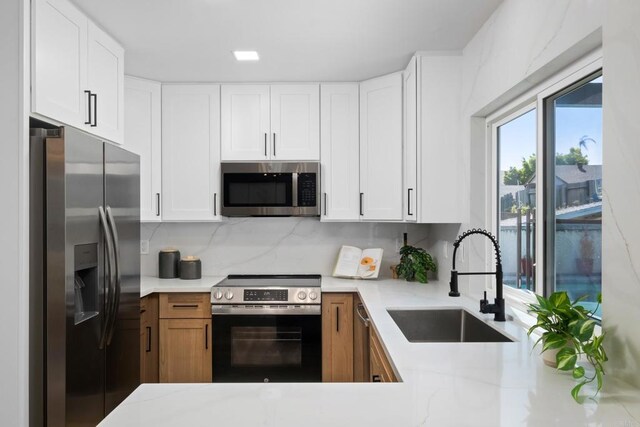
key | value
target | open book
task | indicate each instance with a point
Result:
(357, 263)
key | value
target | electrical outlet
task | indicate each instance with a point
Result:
(398, 245)
(144, 247)
(445, 249)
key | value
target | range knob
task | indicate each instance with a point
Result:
(302, 295)
(313, 295)
(228, 295)
(217, 294)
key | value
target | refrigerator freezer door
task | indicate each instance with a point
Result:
(77, 162)
(122, 199)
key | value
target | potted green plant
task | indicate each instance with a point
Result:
(568, 332)
(415, 263)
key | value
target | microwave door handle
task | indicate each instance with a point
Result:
(294, 189)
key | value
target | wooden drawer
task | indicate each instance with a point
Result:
(185, 306)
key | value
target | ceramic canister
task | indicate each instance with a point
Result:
(169, 263)
(190, 268)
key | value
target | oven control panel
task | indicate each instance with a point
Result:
(230, 295)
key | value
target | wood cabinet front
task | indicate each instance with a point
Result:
(149, 338)
(185, 350)
(337, 337)
(380, 368)
(361, 326)
(185, 338)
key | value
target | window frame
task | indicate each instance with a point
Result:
(534, 98)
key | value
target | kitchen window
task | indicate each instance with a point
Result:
(547, 187)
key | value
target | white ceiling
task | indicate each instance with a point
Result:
(298, 40)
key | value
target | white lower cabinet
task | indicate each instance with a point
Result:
(191, 152)
(142, 135)
(339, 152)
(381, 178)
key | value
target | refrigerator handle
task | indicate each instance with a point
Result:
(110, 289)
(118, 279)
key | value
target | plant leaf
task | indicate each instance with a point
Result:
(578, 372)
(552, 340)
(566, 359)
(599, 374)
(559, 299)
(575, 392)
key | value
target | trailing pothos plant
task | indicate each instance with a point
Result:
(415, 263)
(569, 328)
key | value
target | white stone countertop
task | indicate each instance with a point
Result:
(149, 285)
(442, 384)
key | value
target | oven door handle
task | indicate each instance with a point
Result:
(273, 310)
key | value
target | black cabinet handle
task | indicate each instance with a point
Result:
(361, 196)
(215, 204)
(409, 201)
(148, 339)
(185, 305)
(265, 144)
(375, 379)
(206, 336)
(274, 144)
(337, 318)
(325, 204)
(157, 204)
(88, 92)
(95, 109)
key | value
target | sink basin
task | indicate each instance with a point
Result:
(444, 325)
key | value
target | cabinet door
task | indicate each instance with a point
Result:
(295, 122)
(410, 116)
(185, 350)
(191, 152)
(105, 66)
(337, 337)
(142, 129)
(381, 148)
(245, 122)
(59, 58)
(340, 152)
(380, 368)
(149, 338)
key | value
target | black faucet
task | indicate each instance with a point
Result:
(498, 307)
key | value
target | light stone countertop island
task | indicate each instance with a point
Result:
(441, 384)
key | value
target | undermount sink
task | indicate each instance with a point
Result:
(444, 325)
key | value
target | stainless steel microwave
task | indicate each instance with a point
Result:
(271, 189)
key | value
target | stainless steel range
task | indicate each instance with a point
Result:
(267, 328)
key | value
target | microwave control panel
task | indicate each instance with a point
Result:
(307, 189)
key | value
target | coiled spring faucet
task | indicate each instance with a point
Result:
(498, 307)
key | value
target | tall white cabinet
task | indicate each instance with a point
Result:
(142, 135)
(270, 122)
(410, 149)
(77, 71)
(381, 177)
(340, 153)
(191, 152)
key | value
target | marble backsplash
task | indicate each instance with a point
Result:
(276, 245)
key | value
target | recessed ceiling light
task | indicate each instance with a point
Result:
(246, 55)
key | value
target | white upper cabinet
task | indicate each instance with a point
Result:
(77, 71)
(340, 152)
(59, 61)
(191, 152)
(381, 148)
(105, 68)
(295, 122)
(142, 130)
(277, 122)
(245, 122)
(443, 192)
(410, 151)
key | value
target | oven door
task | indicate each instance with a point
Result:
(267, 348)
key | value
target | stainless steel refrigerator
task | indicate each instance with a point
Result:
(84, 276)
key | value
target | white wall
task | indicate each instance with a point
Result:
(621, 177)
(523, 43)
(13, 218)
(274, 245)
